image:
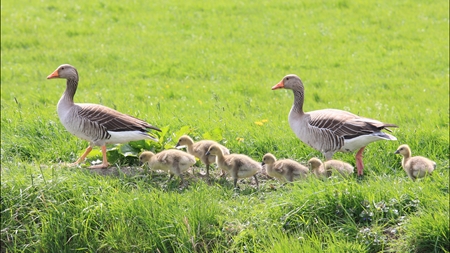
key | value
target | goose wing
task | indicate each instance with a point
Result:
(279, 167)
(112, 120)
(200, 149)
(345, 124)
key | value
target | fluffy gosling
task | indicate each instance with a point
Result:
(199, 149)
(285, 170)
(415, 166)
(171, 160)
(238, 165)
(324, 170)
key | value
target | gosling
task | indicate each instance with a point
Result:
(171, 160)
(285, 170)
(325, 170)
(237, 165)
(416, 166)
(199, 150)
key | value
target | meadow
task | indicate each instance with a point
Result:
(206, 68)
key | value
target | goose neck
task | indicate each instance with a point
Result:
(404, 161)
(190, 148)
(298, 101)
(220, 158)
(71, 88)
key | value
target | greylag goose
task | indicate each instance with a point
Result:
(331, 130)
(199, 149)
(323, 170)
(284, 169)
(172, 160)
(238, 165)
(415, 166)
(97, 124)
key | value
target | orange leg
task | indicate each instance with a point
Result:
(81, 159)
(359, 161)
(105, 163)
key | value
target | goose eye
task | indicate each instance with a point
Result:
(287, 78)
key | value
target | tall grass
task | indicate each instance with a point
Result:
(205, 69)
(78, 211)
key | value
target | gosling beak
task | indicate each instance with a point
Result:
(178, 146)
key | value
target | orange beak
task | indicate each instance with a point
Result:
(53, 75)
(279, 85)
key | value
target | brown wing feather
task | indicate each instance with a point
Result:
(113, 120)
(345, 124)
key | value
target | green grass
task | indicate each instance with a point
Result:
(206, 68)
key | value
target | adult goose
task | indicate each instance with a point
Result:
(331, 130)
(97, 124)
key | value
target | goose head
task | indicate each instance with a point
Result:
(314, 163)
(65, 71)
(145, 157)
(403, 150)
(214, 150)
(290, 81)
(268, 159)
(184, 141)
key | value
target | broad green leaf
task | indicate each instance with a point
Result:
(162, 134)
(184, 130)
(215, 134)
(94, 153)
(128, 150)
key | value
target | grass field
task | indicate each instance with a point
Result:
(206, 68)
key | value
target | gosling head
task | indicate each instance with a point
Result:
(214, 150)
(145, 157)
(403, 150)
(184, 141)
(314, 163)
(268, 159)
